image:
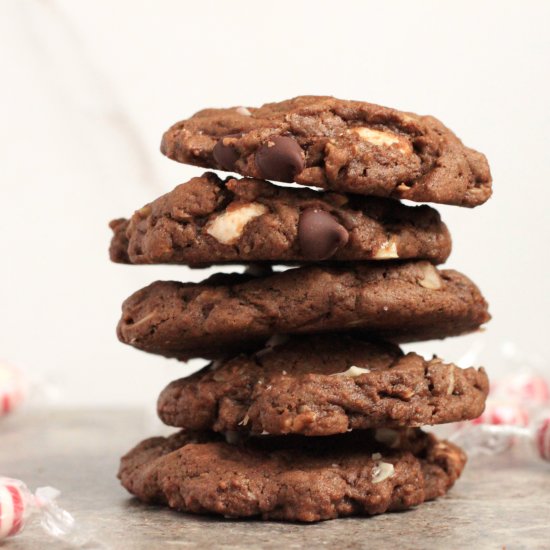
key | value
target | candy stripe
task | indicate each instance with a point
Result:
(499, 414)
(537, 390)
(6, 512)
(18, 509)
(6, 403)
(11, 388)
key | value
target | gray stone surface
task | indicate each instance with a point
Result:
(501, 502)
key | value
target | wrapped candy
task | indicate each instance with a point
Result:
(18, 504)
(517, 412)
(499, 413)
(12, 388)
(526, 387)
(480, 439)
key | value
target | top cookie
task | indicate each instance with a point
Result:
(347, 146)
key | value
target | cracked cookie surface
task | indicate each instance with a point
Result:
(323, 385)
(291, 478)
(345, 146)
(208, 220)
(230, 313)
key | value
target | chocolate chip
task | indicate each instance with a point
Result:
(225, 153)
(319, 234)
(258, 270)
(280, 159)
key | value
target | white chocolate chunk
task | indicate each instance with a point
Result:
(243, 111)
(383, 139)
(376, 137)
(451, 387)
(228, 227)
(430, 277)
(387, 251)
(403, 187)
(144, 319)
(382, 471)
(376, 456)
(352, 372)
(245, 420)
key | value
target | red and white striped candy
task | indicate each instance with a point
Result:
(542, 439)
(13, 506)
(11, 388)
(498, 414)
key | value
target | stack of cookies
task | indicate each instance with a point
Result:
(309, 410)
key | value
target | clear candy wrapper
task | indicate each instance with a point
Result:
(517, 413)
(18, 506)
(488, 439)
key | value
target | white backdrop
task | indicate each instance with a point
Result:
(88, 87)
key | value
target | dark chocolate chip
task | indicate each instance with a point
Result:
(258, 270)
(319, 234)
(225, 153)
(280, 159)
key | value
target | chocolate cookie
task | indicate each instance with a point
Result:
(346, 146)
(323, 385)
(208, 220)
(291, 478)
(229, 313)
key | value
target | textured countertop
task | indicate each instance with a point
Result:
(500, 502)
